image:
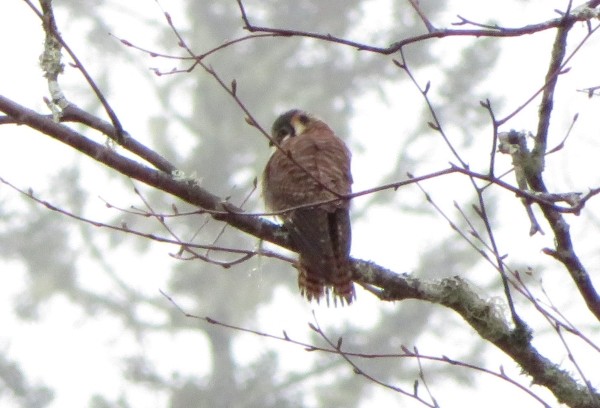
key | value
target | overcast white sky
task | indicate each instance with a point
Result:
(73, 345)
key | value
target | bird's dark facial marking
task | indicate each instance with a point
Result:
(304, 119)
(282, 127)
(284, 132)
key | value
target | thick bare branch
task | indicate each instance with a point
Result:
(534, 167)
(185, 189)
(485, 318)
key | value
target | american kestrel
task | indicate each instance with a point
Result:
(312, 165)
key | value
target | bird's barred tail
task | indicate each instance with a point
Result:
(314, 287)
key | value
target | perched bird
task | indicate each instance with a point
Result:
(311, 164)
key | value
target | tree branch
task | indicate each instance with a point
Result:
(454, 293)
(485, 318)
(583, 13)
(534, 167)
(185, 189)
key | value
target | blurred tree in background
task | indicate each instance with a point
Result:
(113, 278)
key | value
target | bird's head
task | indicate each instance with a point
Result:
(290, 124)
